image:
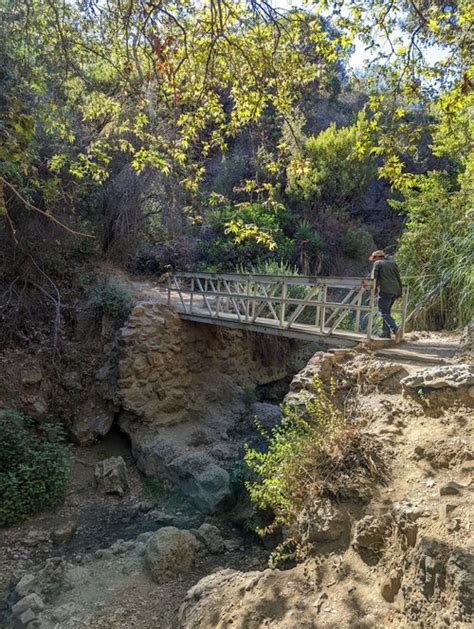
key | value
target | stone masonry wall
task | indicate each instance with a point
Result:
(173, 370)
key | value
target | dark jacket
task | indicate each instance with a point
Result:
(387, 277)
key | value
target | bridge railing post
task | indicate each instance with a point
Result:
(371, 311)
(191, 298)
(359, 304)
(169, 290)
(284, 293)
(324, 298)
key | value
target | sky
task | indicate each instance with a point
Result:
(361, 56)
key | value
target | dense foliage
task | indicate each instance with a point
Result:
(98, 99)
(112, 299)
(34, 467)
(437, 245)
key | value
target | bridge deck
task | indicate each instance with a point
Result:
(340, 311)
(265, 325)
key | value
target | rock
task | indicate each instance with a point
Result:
(467, 468)
(71, 380)
(377, 371)
(321, 521)
(445, 510)
(152, 454)
(206, 484)
(36, 537)
(51, 577)
(64, 533)
(25, 585)
(453, 376)
(391, 586)
(94, 420)
(231, 545)
(460, 580)
(409, 530)
(405, 510)
(47, 582)
(103, 553)
(369, 537)
(170, 552)
(64, 612)
(27, 619)
(453, 525)
(268, 415)
(465, 352)
(243, 511)
(451, 488)
(319, 366)
(30, 601)
(111, 476)
(211, 537)
(31, 376)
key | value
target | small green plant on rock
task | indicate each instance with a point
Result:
(313, 453)
(34, 467)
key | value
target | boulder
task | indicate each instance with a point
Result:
(211, 537)
(169, 552)
(47, 582)
(30, 601)
(268, 415)
(64, 533)
(370, 535)
(206, 484)
(152, 454)
(35, 537)
(439, 377)
(94, 420)
(28, 618)
(111, 476)
(391, 586)
(451, 488)
(321, 521)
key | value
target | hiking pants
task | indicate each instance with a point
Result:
(385, 302)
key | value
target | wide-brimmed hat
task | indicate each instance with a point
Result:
(377, 254)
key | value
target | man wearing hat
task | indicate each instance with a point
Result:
(389, 286)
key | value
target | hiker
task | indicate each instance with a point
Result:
(389, 286)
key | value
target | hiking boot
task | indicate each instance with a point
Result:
(384, 335)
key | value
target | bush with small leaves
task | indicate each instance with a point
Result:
(113, 299)
(34, 467)
(314, 452)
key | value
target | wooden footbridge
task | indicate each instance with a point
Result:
(338, 309)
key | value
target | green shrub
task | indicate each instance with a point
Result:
(334, 169)
(225, 250)
(313, 452)
(113, 299)
(357, 243)
(34, 467)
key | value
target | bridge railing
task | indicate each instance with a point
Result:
(316, 305)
